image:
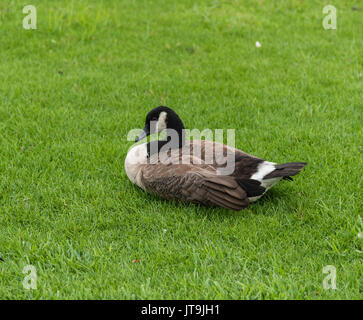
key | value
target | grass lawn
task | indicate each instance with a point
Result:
(71, 90)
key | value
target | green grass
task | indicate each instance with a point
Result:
(72, 89)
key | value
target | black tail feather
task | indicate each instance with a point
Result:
(288, 178)
(286, 170)
(252, 187)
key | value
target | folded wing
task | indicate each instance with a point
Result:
(198, 184)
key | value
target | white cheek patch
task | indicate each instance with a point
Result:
(161, 124)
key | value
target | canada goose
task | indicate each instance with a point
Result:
(192, 178)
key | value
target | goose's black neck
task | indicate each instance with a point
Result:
(175, 139)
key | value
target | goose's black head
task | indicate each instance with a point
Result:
(159, 119)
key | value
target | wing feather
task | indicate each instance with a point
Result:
(198, 184)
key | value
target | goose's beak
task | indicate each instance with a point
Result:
(144, 133)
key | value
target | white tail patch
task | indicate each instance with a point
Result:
(263, 170)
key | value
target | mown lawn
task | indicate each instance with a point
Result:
(71, 90)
